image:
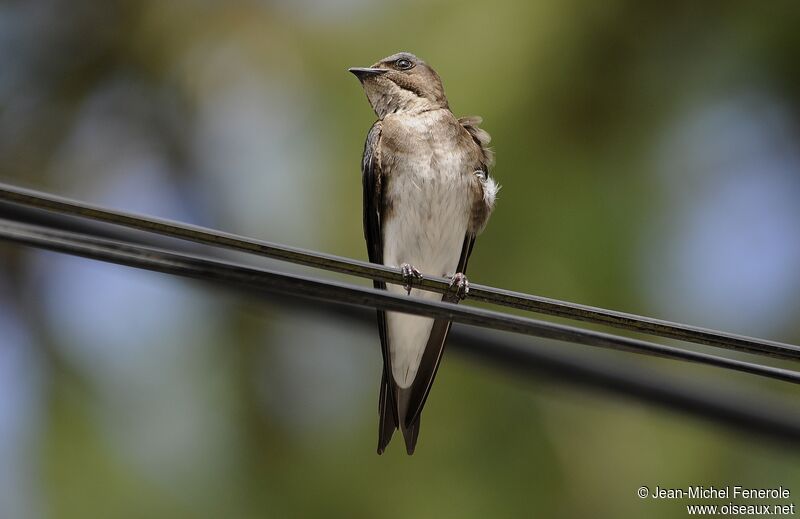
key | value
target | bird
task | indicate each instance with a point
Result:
(427, 194)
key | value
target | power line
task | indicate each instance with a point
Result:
(508, 298)
(762, 414)
(753, 412)
(267, 281)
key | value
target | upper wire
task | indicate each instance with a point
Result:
(268, 281)
(508, 298)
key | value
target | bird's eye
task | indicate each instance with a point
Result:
(403, 64)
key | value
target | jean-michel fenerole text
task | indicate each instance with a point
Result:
(722, 492)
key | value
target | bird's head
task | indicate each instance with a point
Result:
(401, 83)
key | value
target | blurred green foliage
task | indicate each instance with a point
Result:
(578, 96)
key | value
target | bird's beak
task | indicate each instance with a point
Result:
(364, 73)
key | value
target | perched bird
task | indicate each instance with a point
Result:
(427, 195)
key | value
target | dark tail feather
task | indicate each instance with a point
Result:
(393, 408)
(428, 366)
(410, 434)
(387, 422)
(408, 425)
(410, 400)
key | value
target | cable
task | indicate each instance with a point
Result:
(760, 414)
(363, 269)
(753, 412)
(265, 281)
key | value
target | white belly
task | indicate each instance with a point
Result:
(426, 228)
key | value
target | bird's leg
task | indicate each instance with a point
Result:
(461, 284)
(409, 273)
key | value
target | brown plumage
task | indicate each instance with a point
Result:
(427, 194)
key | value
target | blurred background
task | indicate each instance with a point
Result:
(650, 160)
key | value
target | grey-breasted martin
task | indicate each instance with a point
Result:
(427, 195)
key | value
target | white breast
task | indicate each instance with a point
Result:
(431, 205)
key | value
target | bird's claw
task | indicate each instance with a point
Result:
(461, 284)
(409, 274)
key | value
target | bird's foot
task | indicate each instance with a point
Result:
(461, 285)
(410, 273)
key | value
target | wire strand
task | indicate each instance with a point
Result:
(725, 403)
(268, 281)
(753, 412)
(508, 298)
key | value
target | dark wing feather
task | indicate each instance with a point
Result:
(372, 184)
(371, 180)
